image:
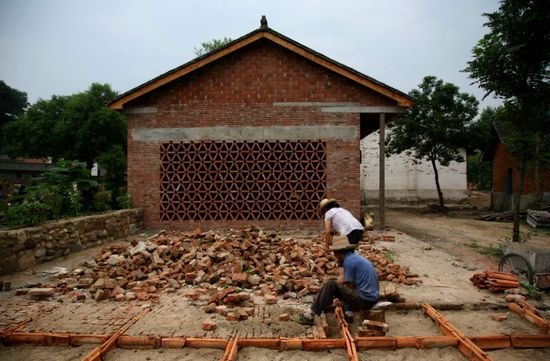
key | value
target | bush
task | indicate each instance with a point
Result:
(124, 201)
(102, 201)
(66, 190)
(27, 214)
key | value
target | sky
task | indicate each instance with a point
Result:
(60, 47)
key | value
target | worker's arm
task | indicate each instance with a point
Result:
(328, 232)
(342, 278)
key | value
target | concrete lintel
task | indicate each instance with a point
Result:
(292, 133)
(314, 104)
(141, 110)
(364, 109)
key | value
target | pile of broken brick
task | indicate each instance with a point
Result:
(222, 267)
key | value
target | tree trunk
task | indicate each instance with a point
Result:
(439, 193)
(517, 201)
(538, 182)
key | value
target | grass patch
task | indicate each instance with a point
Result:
(486, 250)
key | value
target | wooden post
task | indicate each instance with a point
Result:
(382, 174)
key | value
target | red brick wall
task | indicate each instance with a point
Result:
(502, 161)
(239, 90)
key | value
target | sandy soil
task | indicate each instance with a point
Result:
(444, 251)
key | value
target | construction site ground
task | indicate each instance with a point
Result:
(444, 250)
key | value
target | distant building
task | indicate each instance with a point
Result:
(407, 182)
(15, 173)
(505, 174)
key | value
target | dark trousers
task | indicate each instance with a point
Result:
(355, 236)
(331, 290)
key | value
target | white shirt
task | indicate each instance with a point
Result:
(342, 221)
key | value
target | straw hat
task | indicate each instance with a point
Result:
(324, 202)
(341, 243)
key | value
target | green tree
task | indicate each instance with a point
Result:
(78, 126)
(435, 127)
(211, 45)
(12, 104)
(512, 61)
(480, 142)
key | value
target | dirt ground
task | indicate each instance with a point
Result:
(445, 251)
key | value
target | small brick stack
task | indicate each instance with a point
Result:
(495, 281)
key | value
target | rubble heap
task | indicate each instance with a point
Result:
(220, 264)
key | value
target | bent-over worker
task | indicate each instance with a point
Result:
(339, 220)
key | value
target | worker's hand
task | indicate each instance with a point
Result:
(337, 303)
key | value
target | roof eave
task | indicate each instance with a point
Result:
(402, 99)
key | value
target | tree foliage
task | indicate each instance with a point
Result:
(211, 45)
(435, 127)
(78, 126)
(480, 143)
(12, 104)
(512, 61)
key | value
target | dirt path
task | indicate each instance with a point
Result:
(471, 241)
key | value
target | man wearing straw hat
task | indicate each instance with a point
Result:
(360, 287)
(339, 220)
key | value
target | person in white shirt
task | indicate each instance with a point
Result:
(339, 220)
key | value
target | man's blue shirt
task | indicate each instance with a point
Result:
(361, 272)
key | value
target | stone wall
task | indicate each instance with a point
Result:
(24, 248)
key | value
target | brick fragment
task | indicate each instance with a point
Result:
(499, 317)
(21, 291)
(232, 316)
(284, 317)
(41, 292)
(209, 326)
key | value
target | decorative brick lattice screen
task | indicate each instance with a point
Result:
(241, 180)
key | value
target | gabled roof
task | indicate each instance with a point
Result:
(263, 32)
(500, 131)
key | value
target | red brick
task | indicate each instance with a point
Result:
(209, 326)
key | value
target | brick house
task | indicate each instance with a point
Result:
(256, 132)
(505, 176)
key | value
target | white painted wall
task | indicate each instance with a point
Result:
(407, 182)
